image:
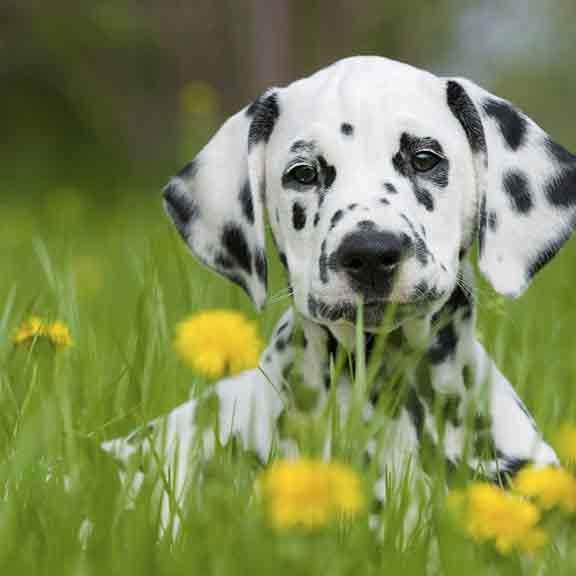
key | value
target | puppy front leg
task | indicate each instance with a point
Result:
(516, 438)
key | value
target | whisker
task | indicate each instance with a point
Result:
(282, 294)
(466, 288)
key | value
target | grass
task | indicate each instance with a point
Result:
(121, 279)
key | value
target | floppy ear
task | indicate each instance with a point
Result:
(526, 187)
(216, 201)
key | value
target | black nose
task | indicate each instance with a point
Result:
(370, 258)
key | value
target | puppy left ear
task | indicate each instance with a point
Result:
(216, 201)
(526, 187)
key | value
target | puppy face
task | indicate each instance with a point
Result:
(376, 178)
(370, 193)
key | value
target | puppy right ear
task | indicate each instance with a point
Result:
(216, 201)
(526, 187)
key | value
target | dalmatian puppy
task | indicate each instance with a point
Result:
(376, 179)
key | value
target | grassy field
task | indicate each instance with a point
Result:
(121, 279)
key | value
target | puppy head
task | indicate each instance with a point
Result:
(376, 178)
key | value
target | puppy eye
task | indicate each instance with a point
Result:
(304, 174)
(425, 160)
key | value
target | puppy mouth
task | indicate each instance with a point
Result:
(378, 313)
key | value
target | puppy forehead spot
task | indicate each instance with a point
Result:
(517, 188)
(511, 124)
(347, 129)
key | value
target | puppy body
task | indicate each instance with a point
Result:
(376, 179)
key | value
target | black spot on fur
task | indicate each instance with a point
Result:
(308, 146)
(384, 201)
(460, 299)
(245, 198)
(224, 261)
(338, 215)
(511, 124)
(316, 219)
(508, 467)
(280, 345)
(264, 112)
(282, 327)
(390, 188)
(517, 188)
(180, 207)
(313, 306)
(493, 221)
(323, 263)
(234, 241)
(328, 172)
(352, 206)
(260, 265)
(439, 174)
(424, 197)
(464, 110)
(444, 344)
(298, 216)
(400, 164)
(483, 217)
(347, 129)
(421, 250)
(561, 188)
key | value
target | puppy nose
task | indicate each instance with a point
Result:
(369, 258)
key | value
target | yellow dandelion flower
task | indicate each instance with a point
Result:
(549, 486)
(56, 333)
(565, 443)
(218, 342)
(59, 334)
(309, 493)
(347, 489)
(489, 513)
(30, 329)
